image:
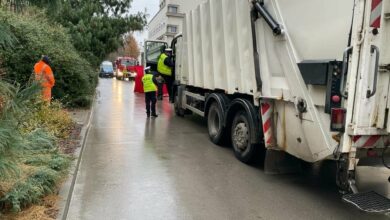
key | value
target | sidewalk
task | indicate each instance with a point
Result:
(82, 118)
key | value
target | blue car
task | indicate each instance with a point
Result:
(106, 69)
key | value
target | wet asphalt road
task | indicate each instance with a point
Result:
(166, 168)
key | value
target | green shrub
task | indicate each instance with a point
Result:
(39, 184)
(37, 160)
(30, 162)
(16, 102)
(59, 162)
(7, 39)
(75, 78)
(52, 118)
(30, 191)
(38, 140)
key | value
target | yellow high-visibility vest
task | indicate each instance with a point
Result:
(162, 68)
(149, 85)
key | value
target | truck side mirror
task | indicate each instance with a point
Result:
(147, 69)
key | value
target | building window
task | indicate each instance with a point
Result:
(171, 28)
(173, 9)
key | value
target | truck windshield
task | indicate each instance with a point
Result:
(128, 62)
(153, 50)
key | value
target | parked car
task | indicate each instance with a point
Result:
(106, 69)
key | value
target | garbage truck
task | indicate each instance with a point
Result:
(307, 78)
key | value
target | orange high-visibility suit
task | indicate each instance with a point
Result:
(44, 74)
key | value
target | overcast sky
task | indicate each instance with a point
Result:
(151, 7)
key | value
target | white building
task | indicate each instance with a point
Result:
(168, 20)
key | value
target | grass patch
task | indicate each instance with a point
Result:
(28, 192)
(31, 163)
(46, 210)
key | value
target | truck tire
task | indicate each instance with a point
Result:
(214, 124)
(178, 110)
(241, 135)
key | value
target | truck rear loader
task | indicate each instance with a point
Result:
(309, 78)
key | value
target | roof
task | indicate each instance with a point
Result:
(125, 58)
(106, 63)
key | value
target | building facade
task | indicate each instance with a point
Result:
(168, 21)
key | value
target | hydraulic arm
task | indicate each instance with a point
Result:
(259, 7)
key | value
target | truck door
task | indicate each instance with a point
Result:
(177, 53)
(367, 88)
(153, 49)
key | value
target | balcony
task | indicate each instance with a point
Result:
(179, 15)
(170, 34)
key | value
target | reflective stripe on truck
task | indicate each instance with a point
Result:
(266, 115)
(376, 12)
(370, 141)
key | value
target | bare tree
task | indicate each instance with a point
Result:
(131, 46)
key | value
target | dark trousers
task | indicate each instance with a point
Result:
(160, 86)
(150, 101)
(169, 82)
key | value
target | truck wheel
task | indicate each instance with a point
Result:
(214, 123)
(178, 110)
(241, 135)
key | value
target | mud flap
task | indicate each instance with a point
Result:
(280, 162)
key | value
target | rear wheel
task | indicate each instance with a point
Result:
(214, 123)
(178, 110)
(241, 136)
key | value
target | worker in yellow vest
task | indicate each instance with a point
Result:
(149, 82)
(165, 68)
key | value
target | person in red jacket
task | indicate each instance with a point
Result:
(44, 74)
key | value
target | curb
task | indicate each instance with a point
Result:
(69, 185)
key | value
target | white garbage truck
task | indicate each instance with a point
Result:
(307, 78)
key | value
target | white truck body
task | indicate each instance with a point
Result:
(217, 50)
(217, 54)
(306, 77)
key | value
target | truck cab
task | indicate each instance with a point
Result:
(153, 50)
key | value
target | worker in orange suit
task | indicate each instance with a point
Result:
(44, 74)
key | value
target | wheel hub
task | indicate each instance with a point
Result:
(240, 136)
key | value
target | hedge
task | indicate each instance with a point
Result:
(34, 35)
